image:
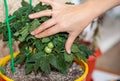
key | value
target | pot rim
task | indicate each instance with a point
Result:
(83, 64)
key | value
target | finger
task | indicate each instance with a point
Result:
(51, 31)
(41, 14)
(47, 24)
(69, 42)
(49, 2)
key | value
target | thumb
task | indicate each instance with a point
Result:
(69, 42)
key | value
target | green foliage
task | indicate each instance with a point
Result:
(0, 27)
(2, 70)
(28, 68)
(38, 59)
(85, 50)
(68, 58)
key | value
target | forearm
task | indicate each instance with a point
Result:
(98, 7)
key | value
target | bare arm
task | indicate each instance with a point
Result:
(70, 18)
(101, 6)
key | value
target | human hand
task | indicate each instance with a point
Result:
(65, 18)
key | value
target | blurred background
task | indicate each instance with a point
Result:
(107, 66)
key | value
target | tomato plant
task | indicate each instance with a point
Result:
(57, 58)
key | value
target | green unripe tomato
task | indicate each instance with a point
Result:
(50, 45)
(48, 50)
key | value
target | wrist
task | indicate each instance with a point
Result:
(98, 7)
(118, 1)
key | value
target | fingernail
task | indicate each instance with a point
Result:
(37, 36)
(69, 51)
(32, 33)
(31, 16)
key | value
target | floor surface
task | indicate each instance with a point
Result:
(104, 76)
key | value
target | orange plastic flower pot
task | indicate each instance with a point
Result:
(91, 64)
(91, 60)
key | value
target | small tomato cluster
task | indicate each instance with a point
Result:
(49, 47)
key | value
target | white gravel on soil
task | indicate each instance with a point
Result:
(74, 72)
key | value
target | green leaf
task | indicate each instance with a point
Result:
(85, 50)
(61, 64)
(18, 14)
(17, 34)
(30, 37)
(23, 33)
(75, 48)
(1, 27)
(5, 33)
(80, 56)
(2, 69)
(53, 60)
(20, 58)
(0, 24)
(25, 10)
(36, 66)
(38, 7)
(44, 64)
(34, 24)
(43, 19)
(39, 46)
(35, 57)
(45, 40)
(68, 57)
(29, 68)
(16, 26)
(59, 43)
(25, 4)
